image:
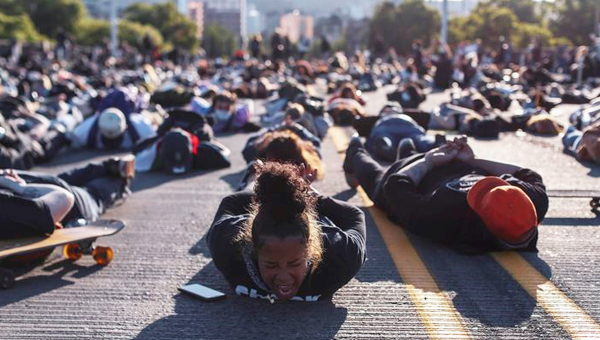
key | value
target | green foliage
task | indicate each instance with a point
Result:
(526, 33)
(398, 26)
(493, 19)
(575, 20)
(489, 24)
(456, 32)
(174, 27)
(50, 15)
(525, 10)
(11, 7)
(218, 41)
(18, 27)
(93, 32)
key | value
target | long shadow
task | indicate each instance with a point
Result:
(594, 168)
(252, 318)
(72, 156)
(572, 221)
(149, 180)
(36, 285)
(482, 289)
(233, 179)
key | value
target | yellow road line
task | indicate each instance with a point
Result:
(569, 315)
(435, 308)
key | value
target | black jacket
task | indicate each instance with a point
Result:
(343, 232)
(437, 208)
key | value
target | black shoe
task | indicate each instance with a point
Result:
(123, 167)
(353, 147)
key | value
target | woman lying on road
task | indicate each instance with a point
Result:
(285, 241)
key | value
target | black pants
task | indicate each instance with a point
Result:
(372, 176)
(95, 190)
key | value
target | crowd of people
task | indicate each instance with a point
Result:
(277, 237)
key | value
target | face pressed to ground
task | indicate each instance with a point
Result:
(282, 263)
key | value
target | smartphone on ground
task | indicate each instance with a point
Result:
(202, 292)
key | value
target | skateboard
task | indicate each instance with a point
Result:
(77, 241)
(592, 194)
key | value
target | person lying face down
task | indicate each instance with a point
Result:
(449, 196)
(284, 241)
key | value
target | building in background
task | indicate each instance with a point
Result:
(254, 21)
(230, 14)
(196, 14)
(295, 26)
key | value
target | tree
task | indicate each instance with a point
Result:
(416, 21)
(50, 15)
(398, 26)
(18, 27)
(174, 27)
(218, 41)
(525, 10)
(93, 32)
(575, 20)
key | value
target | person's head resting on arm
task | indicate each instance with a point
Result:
(283, 233)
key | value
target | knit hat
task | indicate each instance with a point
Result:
(111, 123)
(505, 209)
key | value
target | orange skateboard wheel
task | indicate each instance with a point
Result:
(103, 255)
(72, 251)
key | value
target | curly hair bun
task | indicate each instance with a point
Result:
(281, 191)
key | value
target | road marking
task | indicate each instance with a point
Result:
(435, 307)
(569, 315)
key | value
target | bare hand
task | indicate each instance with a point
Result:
(11, 181)
(306, 173)
(442, 155)
(465, 153)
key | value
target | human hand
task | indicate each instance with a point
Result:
(442, 155)
(11, 181)
(465, 153)
(306, 173)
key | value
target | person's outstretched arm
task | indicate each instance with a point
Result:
(59, 200)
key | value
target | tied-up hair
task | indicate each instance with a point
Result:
(287, 147)
(283, 207)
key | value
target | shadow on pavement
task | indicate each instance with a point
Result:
(149, 180)
(572, 221)
(253, 319)
(73, 156)
(234, 178)
(36, 285)
(481, 288)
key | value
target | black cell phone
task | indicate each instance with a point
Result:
(202, 292)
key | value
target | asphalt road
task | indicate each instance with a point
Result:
(409, 287)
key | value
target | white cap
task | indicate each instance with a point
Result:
(111, 123)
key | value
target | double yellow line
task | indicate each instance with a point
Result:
(435, 307)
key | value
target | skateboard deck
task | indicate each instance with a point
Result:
(77, 241)
(593, 195)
